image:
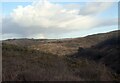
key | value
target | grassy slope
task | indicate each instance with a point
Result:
(21, 60)
(23, 64)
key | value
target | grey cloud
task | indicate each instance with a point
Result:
(10, 27)
(94, 7)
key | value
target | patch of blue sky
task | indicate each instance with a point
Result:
(82, 33)
(111, 12)
(7, 7)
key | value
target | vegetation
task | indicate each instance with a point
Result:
(22, 64)
(30, 65)
(98, 62)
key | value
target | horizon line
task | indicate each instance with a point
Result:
(59, 38)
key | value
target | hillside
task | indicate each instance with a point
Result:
(23, 64)
(106, 52)
(90, 58)
(62, 46)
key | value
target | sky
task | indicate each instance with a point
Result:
(54, 20)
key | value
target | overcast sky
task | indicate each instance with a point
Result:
(46, 19)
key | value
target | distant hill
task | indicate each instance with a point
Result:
(63, 46)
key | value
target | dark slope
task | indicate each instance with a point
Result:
(106, 52)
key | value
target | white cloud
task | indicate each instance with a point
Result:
(43, 19)
(47, 15)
